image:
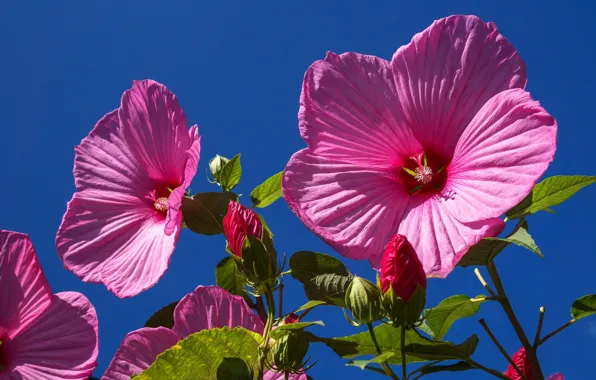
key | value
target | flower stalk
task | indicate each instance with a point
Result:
(388, 371)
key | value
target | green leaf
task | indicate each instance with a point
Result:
(228, 277)
(426, 329)
(310, 305)
(418, 348)
(441, 317)
(204, 212)
(584, 306)
(522, 238)
(200, 355)
(550, 192)
(234, 369)
(330, 288)
(163, 317)
(376, 360)
(305, 265)
(231, 173)
(455, 367)
(285, 329)
(487, 249)
(267, 192)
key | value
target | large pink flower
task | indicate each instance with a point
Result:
(131, 172)
(206, 307)
(434, 145)
(42, 335)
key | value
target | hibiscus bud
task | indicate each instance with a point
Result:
(363, 299)
(216, 165)
(403, 282)
(291, 318)
(401, 270)
(289, 352)
(239, 222)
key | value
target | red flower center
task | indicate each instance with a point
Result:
(424, 173)
(158, 198)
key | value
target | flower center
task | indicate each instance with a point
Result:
(161, 204)
(424, 172)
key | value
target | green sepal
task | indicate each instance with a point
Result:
(403, 313)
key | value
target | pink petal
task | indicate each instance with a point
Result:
(156, 130)
(61, 344)
(111, 233)
(174, 216)
(556, 376)
(447, 72)
(349, 112)
(271, 375)
(210, 307)
(138, 351)
(24, 290)
(438, 238)
(503, 152)
(109, 241)
(354, 210)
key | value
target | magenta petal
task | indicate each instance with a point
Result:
(24, 290)
(349, 112)
(210, 307)
(354, 210)
(503, 152)
(271, 375)
(174, 216)
(438, 238)
(448, 71)
(61, 344)
(556, 376)
(138, 351)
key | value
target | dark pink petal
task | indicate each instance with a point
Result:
(500, 156)
(174, 216)
(239, 222)
(111, 232)
(354, 210)
(556, 376)
(271, 375)
(448, 72)
(349, 112)
(24, 290)
(138, 351)
(210, 307)
(61, 344)
(438, 238)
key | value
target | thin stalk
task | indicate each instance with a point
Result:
(404, 374)
(539, 328)
(550, 335)
(388, 371)
(260, 308)
(487, 370)
(281, 300)
(484, 283)
(504, 301)
(501, 349)
(268, 326)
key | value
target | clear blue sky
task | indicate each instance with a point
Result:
(237, 69)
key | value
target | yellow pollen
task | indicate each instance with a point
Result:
(161, 204)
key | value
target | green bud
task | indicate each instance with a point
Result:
(234, 369)
(259, 262)
(216, 164)
(404, 313)
(363, 299)
(289, 352)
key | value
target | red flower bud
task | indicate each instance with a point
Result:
(523, 363)
(401, 269)
(291, 318)
(239, 222)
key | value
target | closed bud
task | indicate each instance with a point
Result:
(363, 299)
(403, 282)
(401, 270)
(291, 318)
(289, 352)
(216, 165)
(238, 223)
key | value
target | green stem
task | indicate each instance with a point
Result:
(268, 326)
(487, 370)
(539, 328)
(504, 301)
(388, 371)
(502, 350)
(548, 336)
(404, 374)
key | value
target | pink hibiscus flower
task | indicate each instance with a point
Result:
(206, 307)
(42, 335)
(523, 363)
(131, 172)
(435, 144)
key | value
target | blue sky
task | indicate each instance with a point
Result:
(237, 69)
